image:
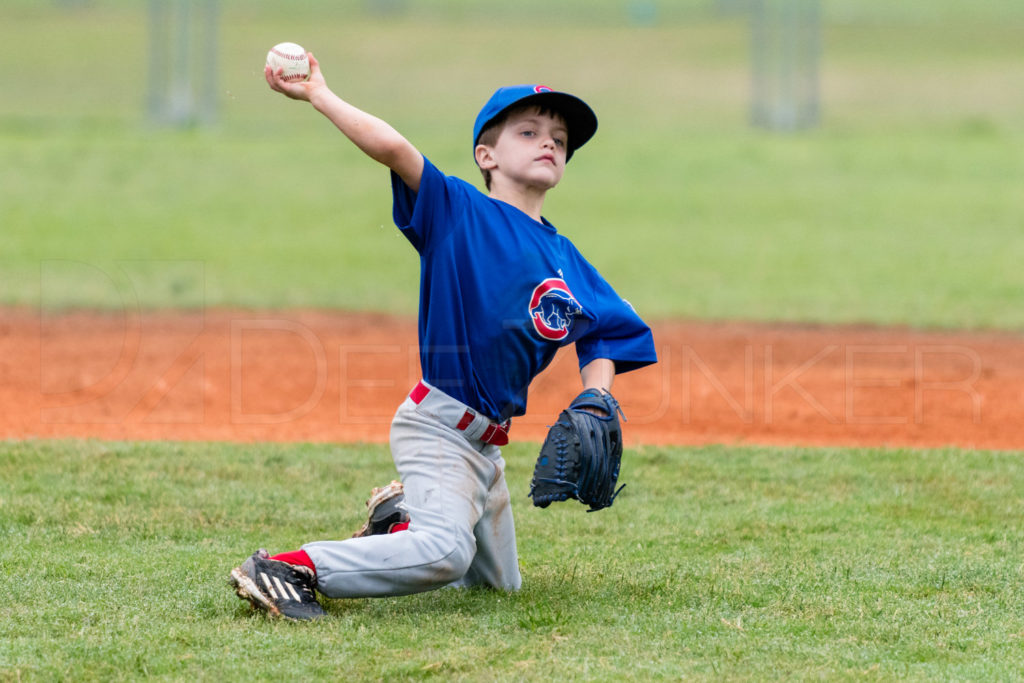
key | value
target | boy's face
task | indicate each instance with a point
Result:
(530, 150)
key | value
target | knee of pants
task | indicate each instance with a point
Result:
(455, 564)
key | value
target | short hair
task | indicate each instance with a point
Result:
(492, 131)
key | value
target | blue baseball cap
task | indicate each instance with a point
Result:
(580, 118)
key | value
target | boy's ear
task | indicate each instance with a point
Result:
(484, 157)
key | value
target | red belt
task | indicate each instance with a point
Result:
(494, 434)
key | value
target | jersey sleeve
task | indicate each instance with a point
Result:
(424, 216)
(618, 333)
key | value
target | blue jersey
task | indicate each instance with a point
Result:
(500, 293)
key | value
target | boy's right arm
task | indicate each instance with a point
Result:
(375, 137)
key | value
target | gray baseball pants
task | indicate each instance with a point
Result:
(461, 531)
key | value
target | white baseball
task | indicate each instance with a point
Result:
(290, 57)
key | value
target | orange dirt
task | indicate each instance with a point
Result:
(322, 376)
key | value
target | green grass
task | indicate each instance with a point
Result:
(903, 207)
(714, 563)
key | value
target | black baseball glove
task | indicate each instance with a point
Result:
(581, 455)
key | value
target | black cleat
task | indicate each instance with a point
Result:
(385, 509)
(280, 589)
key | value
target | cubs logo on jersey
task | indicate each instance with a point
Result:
(553, 309)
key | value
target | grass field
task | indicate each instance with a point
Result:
(715, 563)
(902, 207)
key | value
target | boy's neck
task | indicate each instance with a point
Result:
(527, 200)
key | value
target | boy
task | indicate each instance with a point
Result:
(501, 291)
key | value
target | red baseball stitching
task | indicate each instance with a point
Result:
(297, 58)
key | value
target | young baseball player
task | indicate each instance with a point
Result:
(500, 292)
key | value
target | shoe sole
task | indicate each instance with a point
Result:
(246, 589)
(378, 497)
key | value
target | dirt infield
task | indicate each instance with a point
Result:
(322, 376)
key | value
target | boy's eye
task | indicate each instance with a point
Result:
(560, 142)
(528, 133)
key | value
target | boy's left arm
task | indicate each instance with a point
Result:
(598, 374)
